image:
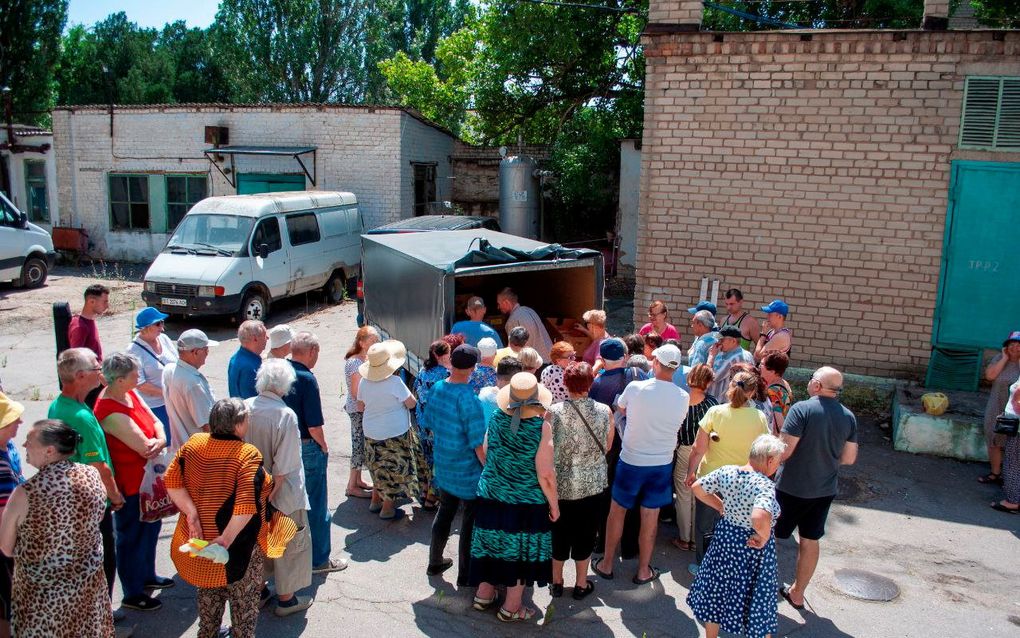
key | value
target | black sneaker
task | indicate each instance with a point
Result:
(141, 602)
(435, 570)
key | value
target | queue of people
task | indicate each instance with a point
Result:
(547, 455)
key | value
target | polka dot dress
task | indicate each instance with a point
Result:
(736, 585)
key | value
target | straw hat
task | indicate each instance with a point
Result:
(383, 359)
(10, 411)
(524, 388)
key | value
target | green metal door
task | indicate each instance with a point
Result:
(252, 183)
(978, 304)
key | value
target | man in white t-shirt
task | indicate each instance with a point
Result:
(655, 409)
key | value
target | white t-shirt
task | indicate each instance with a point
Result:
(1009, 400)
(655, 411)
(386, 416)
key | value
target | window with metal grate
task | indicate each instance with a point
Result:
(991, 114)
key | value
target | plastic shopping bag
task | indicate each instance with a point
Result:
(153, 500)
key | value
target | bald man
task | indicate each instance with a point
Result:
(820, 435)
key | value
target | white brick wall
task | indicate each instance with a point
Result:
(359, 150)
(422, 143)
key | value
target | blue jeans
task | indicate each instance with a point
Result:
(319, 519)
(164, 418)
(136, 547)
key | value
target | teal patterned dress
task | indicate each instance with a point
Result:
(512, 539)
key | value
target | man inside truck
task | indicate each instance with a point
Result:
(475, 329)
(518, 315)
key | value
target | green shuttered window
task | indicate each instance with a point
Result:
(991, 114)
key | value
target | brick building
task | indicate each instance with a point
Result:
(476, 175)
(818, 166)
(126, 177)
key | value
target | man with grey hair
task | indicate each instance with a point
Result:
(79, 372)
(705, 335)
(273, 429)
(518, 315)
(186, 391)
(475, 328)
(516, 339)
(820, 435)
(246, 361)
(306, 402)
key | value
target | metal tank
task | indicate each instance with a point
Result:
(519, 196)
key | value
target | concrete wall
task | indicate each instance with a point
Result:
(359, 150)
(420, 142)
(630, 200)
(812, 166)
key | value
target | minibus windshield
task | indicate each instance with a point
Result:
(211, 234)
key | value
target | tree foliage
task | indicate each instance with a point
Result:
(828, 14)
(29, 49)
(998, 13)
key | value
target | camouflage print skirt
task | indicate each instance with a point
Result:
(397, 465)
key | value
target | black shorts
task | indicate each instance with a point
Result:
(806, 515)
(6, 579)
(573, 534)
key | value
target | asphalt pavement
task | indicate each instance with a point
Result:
(922, 522)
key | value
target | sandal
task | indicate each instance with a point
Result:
(556, 590)
(683, 546)
(999, 507)
(580, 593)
(524, 613)
(483, 604)
(595, 568)
(375, 507)
(643, 581)
(358, 493)
(990, 479)
(785, 593)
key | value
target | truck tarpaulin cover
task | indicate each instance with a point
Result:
(486, 254)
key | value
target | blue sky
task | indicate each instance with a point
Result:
(147, 13)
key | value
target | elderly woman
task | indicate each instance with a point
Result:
(1002, 371)
(698, 380)
(363, 340)
(582, 432)
(437, 367)
(780, 394)
(595, 329)
(724, 437)
(51, 528)
(214, 475)
(1010, 503)
(517, 499)
(133, 436)
(561, 355)
(273, 430)
(392, 449)
(530, 359)
(156, 351)
(10, 478)
(735, 589)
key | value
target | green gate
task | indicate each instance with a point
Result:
(978, 298)
(252, 183)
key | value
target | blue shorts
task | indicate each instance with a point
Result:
(650, 487)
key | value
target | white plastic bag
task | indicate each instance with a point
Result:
(154, 502)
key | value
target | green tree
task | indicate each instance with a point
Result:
(998, 13)
(198, 75)
(296, 50)
(29, 49)
(415, 27)
(828, 14)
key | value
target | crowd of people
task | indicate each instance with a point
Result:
(548, 454)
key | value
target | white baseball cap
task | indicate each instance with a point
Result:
(193, 340)
(668, 355)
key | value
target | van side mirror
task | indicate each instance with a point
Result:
(263, 250)
(22, 219)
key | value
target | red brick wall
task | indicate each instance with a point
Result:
(813, 167)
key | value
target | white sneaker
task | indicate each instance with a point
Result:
(331, 565)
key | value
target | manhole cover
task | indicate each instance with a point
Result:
(858, 583)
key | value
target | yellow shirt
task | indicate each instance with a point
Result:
(502, 352)
(737, 430)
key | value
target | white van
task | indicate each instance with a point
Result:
(237, 254)
(26, 250)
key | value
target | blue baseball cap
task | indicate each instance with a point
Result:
(1013, 336)
(612, 350)
(148, 316)
(704, 305)
(777, 305)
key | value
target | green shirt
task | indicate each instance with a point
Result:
(92, 448)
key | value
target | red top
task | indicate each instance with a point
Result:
(83, 333)
(128, 465)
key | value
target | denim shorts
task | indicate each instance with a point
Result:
(647, 486)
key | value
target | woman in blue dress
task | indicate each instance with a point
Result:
(511, 545)
(437, 368)
(736, 586)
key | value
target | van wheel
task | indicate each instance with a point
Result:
(335, 287)
(254, 306)
(34, 272)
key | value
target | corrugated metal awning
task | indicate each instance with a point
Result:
(279, 151)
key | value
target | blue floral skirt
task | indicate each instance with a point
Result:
(737, 585)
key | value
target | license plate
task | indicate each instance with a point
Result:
(170, 301)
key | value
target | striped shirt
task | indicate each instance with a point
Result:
(457, 422)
